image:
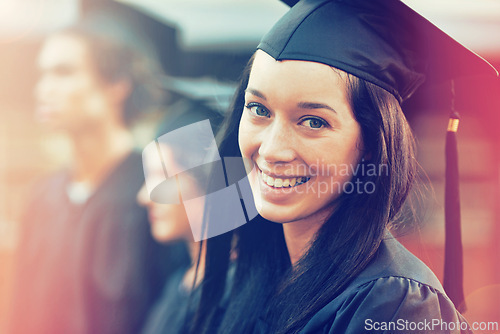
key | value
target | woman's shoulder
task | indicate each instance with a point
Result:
(393, 259)
(396, 293)
(389, 304)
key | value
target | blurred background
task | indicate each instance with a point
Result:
(205, 45)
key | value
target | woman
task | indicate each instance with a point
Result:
(331, 164)
(169, 220)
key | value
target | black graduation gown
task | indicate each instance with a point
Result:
(172, 311)
(90, 268)
(396, 293)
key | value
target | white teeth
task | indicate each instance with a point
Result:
(270, 181)
(278, 183)
(264, 177)
(286, 183)
(283, 183)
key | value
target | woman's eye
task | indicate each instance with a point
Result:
(258, 109)
(314, 123)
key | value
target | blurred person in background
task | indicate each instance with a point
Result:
(87, 262)
(173, 312)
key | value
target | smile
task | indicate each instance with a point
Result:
(283, 183)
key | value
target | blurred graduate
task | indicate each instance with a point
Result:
(168, 215)
(87, 261)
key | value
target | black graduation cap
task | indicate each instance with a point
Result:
(160, 37)
(388, 44)
(382, 41)
(164, 31)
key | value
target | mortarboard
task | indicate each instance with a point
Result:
(388, 44)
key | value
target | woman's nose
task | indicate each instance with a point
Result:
(277, 143)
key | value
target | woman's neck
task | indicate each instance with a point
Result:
(300, 234)
(98, 151)
(191, 273)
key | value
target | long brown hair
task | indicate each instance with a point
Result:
(264, 285)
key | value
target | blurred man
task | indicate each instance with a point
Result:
(87, 261)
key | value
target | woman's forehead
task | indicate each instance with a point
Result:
(263, 59)
(63, 50)
(295, 78)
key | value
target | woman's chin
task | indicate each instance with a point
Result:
(283, 214)
(163, 233)
(277, 215)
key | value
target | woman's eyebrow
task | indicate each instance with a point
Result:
(314, 105)
(256, 93)
(302, 105)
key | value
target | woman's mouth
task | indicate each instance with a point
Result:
(275, 182)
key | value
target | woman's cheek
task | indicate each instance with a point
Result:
(246, 137)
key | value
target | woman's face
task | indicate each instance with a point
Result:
(70, 93)
(299, 131)
(169, 222)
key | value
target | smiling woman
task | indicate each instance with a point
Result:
(324, 91)
(326, 236)
(295, 112)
